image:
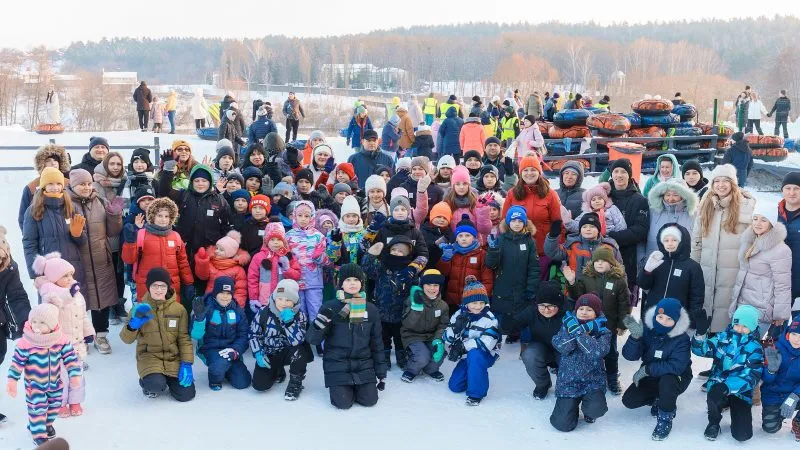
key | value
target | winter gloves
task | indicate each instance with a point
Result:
(773, 359)
(287, 315)
(329, 165)
(199, 308)
(140, 314)
(381, 384)
(438, 350)
(405, 275)
(491, 240)
(76, 225)
(448, 251)
(789, 406)
(423, 183)
(634, 327)
(323, 318)
(292, 157)
(378, 220)
(575, 328)
(555, 228)
(114, 208)
(456, 350)
(460, 324)
(641, 373)
(375, 249)
(261, 361)
(653, 261)
(229, 354)
(701, 322)
(508, 165)
(74, 289)
(185, 377)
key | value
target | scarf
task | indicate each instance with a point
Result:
(53, 195)
(601, 213)
(355, 306)
(345, 228)
(395, 263)
(157, 230)
(383, 209)
(461, 201)
(274, 259)
(40, 340)
(464, 250)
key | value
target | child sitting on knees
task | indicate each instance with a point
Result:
(425, 317)
(220, 327)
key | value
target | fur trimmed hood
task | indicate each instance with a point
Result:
(161, 203)
(681, 326)
(656, 195)
(48, 151)
(767, 241)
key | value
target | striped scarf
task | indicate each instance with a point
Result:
(355, 307)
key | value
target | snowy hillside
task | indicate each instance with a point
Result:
(422, 415)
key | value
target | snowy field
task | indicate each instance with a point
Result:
(422, 415)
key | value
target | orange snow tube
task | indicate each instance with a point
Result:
(49, 128)
(544, 127)
(575, 132)
(609, 124)
(557, 165)
(771, 154)
(652, 107)
(758, 141)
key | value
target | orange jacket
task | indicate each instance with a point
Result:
(167, 251)
(472, 137)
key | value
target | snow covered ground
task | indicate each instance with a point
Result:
(424, 414)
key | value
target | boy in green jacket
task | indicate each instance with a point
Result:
(425, 317)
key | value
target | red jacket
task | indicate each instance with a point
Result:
(541, 211)
(458, 268)
(208, 267)
(152, 251)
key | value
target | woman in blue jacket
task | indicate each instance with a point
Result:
(358, 125)
(449, 131)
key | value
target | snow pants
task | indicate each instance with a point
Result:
(471, 374)
(43, 405)
(310, 301)
(537, 357)
(296, 358)
(220, 369)
(741, 412)
(565, 413)
(771, 419)
(72, 396)
(420, 359)
(158, 383)
(665, 388)
(343, 397)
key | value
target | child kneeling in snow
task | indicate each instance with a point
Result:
(425, 317)
(779, 393)
(353, 361)
(738, 363)
(220, 327)
(473, 331)
(583, 341)
(666, 371)
(278, 339)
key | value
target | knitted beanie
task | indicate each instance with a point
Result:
(275, 230)
(375, 182)
(724, 170)
(590, 218)
(252, 172)
(465, 225)
(472, 154)
(158, 274)
(592, 301)
(460, 175)
(670, 231)
(346, 168)
(404, 163)
(446, 161)
(790, 178)
(623, 163)
(529, 161)
(143, 192)
(442, 209)
(342, 187)
(223, 284)
(288, 289)
(599, 190)
(691, 164)
(46, 313)
(223, 144)
(491, 140)
(283, 189)
(304, 174)
(604, 253)
(350, 206)
(474, 291)
(51, 266)
(240, 193)
(200, 171)
(235, 175)
(517, 212)
(97, 140)
(304, 204)
(793, 327)
(746, 315)
(316, 134)
(421, 161)
(180, 143)
(670, 307)
(229, 244)
(550, 292)
(260, 200)
(351, 271)
(51, 175)
(486, 169)
(79, 176)
(431, 276)
(399, 199)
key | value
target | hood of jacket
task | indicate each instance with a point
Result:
(681, 326)
(450, 113)
(574, 165)
(684, 247)
(656, 195)
(676, 168)
(767, 241)
(52, 151)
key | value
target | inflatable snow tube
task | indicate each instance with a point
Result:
(208, 134)
(597, 110)
(544, 128)
(790, 144)
(708, 129)
(773, 154)
(49, 128)
(759, 141)
(652, 107)
(686, 131)
(668, 120)
(609, 124)
(569, 117)
(685, 146)
(686, 111)
(559, 148)
(575, 132)
(687, 124)
(648, 132)
(634, 119)
(558, 164)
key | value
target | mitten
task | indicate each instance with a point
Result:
(405, 275)
(633, 326)
(319, 250)
(460, 324)
(701, 322)
(287, 315)
(571, 324)
(375, 249)
(448, 251)
(423, 183)
(74, 289)
(594, 326)
(283, 263)
(199, 308)
(292, 157)
(336, 235)
(381, 384)
(261, 361)
(789, 406)
(114, 208)
(323, 318)
(456, 351)
(76, 225)
(378, 220)
(201, 254)
(88, 339)
(229, 354)
(140, 314)
(641, 373)
(555, 228)
(491, 240)
(508, 165)
(653, 261)
(773, 358)
(166, 155)
(185, 376)
(438, 350)
(329, 165)
(11, 388)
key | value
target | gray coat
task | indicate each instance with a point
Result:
(660, 214)
(765, 279)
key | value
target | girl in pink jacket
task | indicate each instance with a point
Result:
(269, 266)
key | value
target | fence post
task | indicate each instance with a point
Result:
(156, 141)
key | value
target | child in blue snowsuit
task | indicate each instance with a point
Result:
(583, 341)
(738, 363)
(473, 331)
(780, 393)
(220, 327)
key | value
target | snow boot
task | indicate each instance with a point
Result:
(588, 419)
(388, 355)
(795, 429)
(408, 377)
(294, 387)
(401, 357)
(320, 350)
(712, 432)
(40, 441)
(613, 384)
(472, 401)
(438, 376)
(51, 432)
(215, 387)
(704, 374)
(75, 410)
(63, 412)
(654, 408)
(281, 376)
(101, 343)
(540, 393)
(664, 425)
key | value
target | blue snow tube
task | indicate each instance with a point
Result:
(687, 111)
(208, 134)
(634, 118)
(687, 131)
(597, 110)
(688, 124)
(571, 117)
(791, 144)
(562, 148)
(665, 121)
(686, 146)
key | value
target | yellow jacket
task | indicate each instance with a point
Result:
(172, 101)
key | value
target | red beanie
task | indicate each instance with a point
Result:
(348, 169)
(262, 200)
(529, 161)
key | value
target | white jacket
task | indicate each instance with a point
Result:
(199, 105)
(755, 110)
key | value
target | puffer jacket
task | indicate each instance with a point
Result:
(739, 361)
(210, 268)
(718, 255)
(406, 132)
(472, 136)
(682, 213)
(388, 294)
(765, 277)
(41, 357)
(220, 328)
(571, 198)
(481, 332)
(740, 156)
(432, 233)
(270, 335)
(541, 211)
(101, 284)
(308, 248)
(786, 381)
(142, 96)
(423, 319)
(516, 273)
(792, 224)
(262, 277)
(632, 240)
(353, 352)
(581, 369)
(390, 138)
(461, 266)
(148, 250)
(14, 304)
(259, 129)
(447, 142)
(355, 130)
(424, 143)
(577, 251)
(108, 194)
(72, 319)
(662, 354)
(163, 342)
(48, 151)
(611, 287)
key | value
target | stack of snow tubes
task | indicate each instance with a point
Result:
(723, 131)
(767, 148)
(570, 126)
(651, 118)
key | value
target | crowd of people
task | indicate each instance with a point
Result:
(268, 256)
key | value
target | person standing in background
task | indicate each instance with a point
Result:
(429, 109)
(172, 106)
(142, 96)
(755, 109)
(781, 110)
(293, 111)
(199, 109)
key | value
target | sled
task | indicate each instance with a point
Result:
(668, 120)
(208, 134)
(687, 131)
(597, 110)
(575, 132)
(558, 164)
(560, 148)
(569, 117)
(686, 111)
(634, 119)
(544, 128)
(49, 128)
(773, 154)
(609, 124)
(652, 107)
(724, 130)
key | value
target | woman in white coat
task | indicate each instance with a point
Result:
(765, 273)
(199, 109)
(725, 212)
(754, 111)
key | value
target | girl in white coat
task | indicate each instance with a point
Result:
(754, 111)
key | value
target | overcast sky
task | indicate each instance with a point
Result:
(56, 23)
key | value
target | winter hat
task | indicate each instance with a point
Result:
(158, 274)
(790, 178)
(431, 276)
(380, 169)
(305, 204)
(275, 230)
(142, 154)
(724, 170)
(488, 168)
(162, 203)
(446, 161)
(592, 301)
(421, 161)
(604, 253)
(223, 284)
(529, 161)
(51, 175)
(224, 150)
(746, 315)
(590, 218)
(472, 154)
(252, 172)
(342, 187)
(442, 209)
(460, 175)
(260, 200)
(346, 168)
(550, 292)
(240, 193)
(452, 97)
(375, 182)
(466, 226)
(235, 175)
(491, 140)
(223, 143)
(51, 266)
(474, 291)
(516, 212)
(180, 143)
(793, 327)
(670, 307)
(304, 174)
(46, 313)
(262, 111)
(289, 289)
(200, 171)
(350, 271)
(399, 198)
(350, 206)
(229, 244)
(143, 192)
(623, 163)
(361, 110)
(325, 215)
(600, 189)
(371, 134)
(316, 134)
(97, 140)
(738, 136)
(670, 231)
(403, 163)
(476, 99)
(691, 164)
(79, 176)
(283, 189)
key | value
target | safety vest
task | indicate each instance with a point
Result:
(490, 129)
(430, 106)
(444, 107)
(507, 125)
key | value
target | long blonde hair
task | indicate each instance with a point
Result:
(706, 212)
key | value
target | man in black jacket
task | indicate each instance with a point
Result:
(626, 196)
(781, 109)
(98, 149)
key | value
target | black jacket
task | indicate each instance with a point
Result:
(636, 210)
(406, 228)
(353, 353)
(424, 144)
(516, 272)
(253, 235)
(541, 328)
(781, 109)
(143, 97)
(741, 157)
(14, 306)
(87, 163)
(432, 233)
